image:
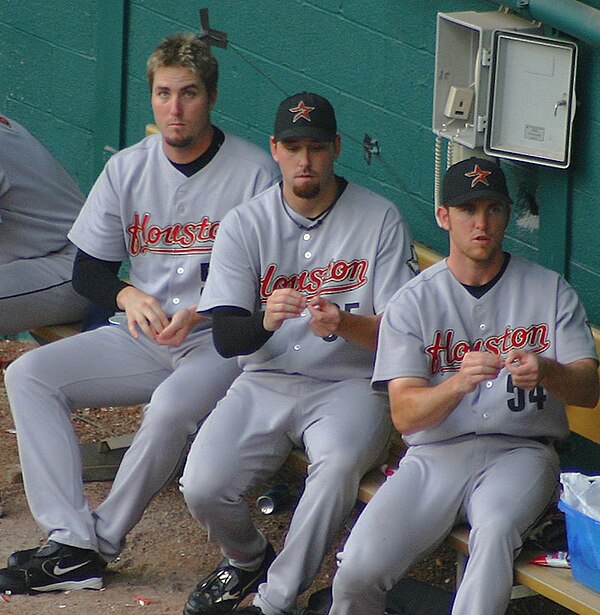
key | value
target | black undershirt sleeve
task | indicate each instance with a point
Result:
(238, 332)
(97, 280)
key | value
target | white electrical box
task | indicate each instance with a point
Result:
(462, 65)
(531, 99)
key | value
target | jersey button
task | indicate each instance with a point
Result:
(176, 301)
(296, 346)
(307, 254)
(179, 270)
(489, 384)
(306, 236)
(482, 327)
(486, 415)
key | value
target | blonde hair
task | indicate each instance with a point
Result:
(188, 51)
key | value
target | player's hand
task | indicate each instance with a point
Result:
(144, 313)
(182, 322)
(526, 368)
(476, 367)
(325, 316)
(283, 304)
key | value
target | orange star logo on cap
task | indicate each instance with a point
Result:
(478, 175)
(301, 111)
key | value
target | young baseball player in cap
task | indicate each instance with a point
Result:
(479, 354)
(299, 277)
(158, 203)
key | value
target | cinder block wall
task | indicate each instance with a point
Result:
(47, 70)
(373, 58)
(64, 65)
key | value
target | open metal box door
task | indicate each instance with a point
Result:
(532, 99)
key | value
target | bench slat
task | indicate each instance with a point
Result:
(556, 584)
(44, 335)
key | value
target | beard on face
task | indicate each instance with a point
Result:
(183, 141)
(307, 190)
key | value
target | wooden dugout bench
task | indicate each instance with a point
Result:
(556, 584)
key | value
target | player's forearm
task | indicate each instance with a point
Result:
(574, 383)
(237, 332)
(97, 280)
(415, 406)
(359, 329)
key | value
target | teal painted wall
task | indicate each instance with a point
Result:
(47, 59)
(77, 80)
(74, 73)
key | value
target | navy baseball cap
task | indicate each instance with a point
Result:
(474, 178)
(305, 115)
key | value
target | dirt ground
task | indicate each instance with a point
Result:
(167, 552)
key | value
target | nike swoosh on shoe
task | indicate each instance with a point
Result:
(58, 571)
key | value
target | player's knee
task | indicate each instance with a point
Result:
(22, 371)
(496, 533)
(342, 468)
(353, 579)
(202, 490)
(165, 423)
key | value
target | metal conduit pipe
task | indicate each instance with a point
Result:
(569, 16)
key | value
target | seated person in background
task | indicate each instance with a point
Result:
(39, 202)
(298, 279)
(158, 203)
(479, 355)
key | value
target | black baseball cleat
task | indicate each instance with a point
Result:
(222, 590)
(19, 558)
(255, 610)
(54, 567)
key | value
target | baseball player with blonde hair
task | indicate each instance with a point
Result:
(478, 374)
(158, 203)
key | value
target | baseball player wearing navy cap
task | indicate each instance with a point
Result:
(158, 203)
(299, 277)
(39, 202)
(478, 375)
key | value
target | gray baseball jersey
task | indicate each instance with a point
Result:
(144, 209)
(431, 323)
(38, 203)
(265, 245)
(141, 207)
